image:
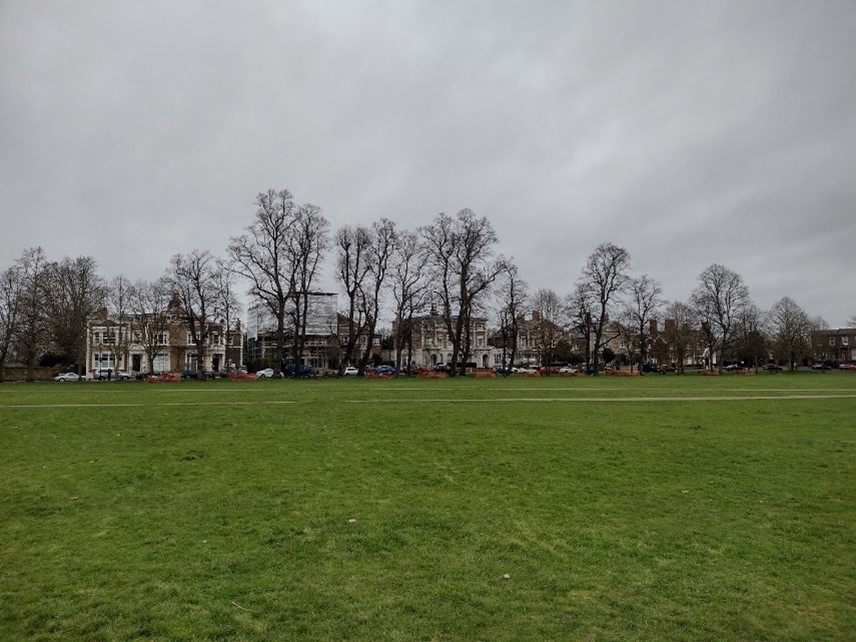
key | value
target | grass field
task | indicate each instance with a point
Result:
(655, 508)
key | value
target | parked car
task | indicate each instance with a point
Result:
(821, 366)
(567, 370)
(847, 366)
(413, 370)
(189, 374)
(442, 367)
(69, 376)
(109, 374)
(267, 373)
(351, 371)
(549, 370)
(771, 367)
(385, 370)
(304, 372)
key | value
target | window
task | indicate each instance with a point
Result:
(162, 339)
(138, 337)
(845, 341)
(832, 341)
(96, 338)
(161, 363)
(102, 360)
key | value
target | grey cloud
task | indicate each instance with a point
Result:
(690, 133)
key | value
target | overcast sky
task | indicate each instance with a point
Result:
(688, 132)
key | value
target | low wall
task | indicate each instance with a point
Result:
(19, 373)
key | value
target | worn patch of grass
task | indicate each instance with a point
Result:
(504, 509)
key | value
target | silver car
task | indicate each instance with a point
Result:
(69, 376)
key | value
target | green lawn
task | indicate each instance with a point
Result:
(654, 508)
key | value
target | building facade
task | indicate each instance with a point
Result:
(431, 345)
(837, 345)
(139, 346)
(321, 329)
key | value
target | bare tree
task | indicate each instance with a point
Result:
(31, 332)
(194, 281)
(384, 239)
(353, 266)
(73, 291)
(149, 303)
(409, 290)
(790, 327)
(578, 309)
(512, 295)
(718, 300)
(264, 258)
(228, 304)
(750, 340)
(603, 279)
(11, 294)
(644, 301)
(305, 250)
(547, 309)
(117, 320)
(460, 252)
(679, 331)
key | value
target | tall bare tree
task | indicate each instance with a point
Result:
(680, 331)
(579, 306)
(409, 290)
(353, 266)
(790, 327)
(547, 307)
(641, 307)
(73, 292)
(32, 335)
(604, 278)
(118, 318)
(460, 252)
(305, 250)
(149, 303)
(263, 257)
(512, 294)
(718, 299)
(384, 238)
(228, 306)
(194, 281)
(11, 295)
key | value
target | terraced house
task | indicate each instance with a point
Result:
(431, 345)
(159, 343)
(837, 345)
